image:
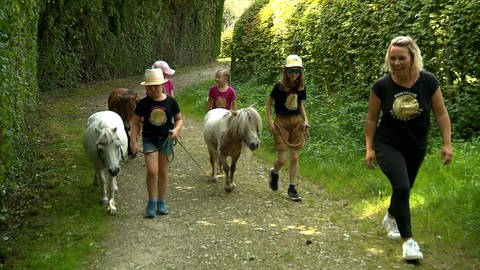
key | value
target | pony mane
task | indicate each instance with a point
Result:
(245, 118)
(106, 136)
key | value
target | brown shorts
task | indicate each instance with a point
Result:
(289, 132)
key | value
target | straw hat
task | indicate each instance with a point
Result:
(164, 67)
(153, 77)
(293, 60)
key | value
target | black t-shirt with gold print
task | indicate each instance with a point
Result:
(158, 116)
(287, 102)
(405, 117)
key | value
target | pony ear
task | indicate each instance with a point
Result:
(98, 131)
(234, 112)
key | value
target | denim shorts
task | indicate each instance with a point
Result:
(151, 145)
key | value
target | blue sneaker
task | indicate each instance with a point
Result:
(150, 211)
(161, 207)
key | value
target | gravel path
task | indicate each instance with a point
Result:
(250, 228)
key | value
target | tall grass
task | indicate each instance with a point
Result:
(445, 200)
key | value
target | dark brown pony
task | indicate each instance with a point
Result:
(123, 102)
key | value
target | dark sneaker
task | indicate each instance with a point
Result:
(273, 180)
(293, 195)
(161, 207)
(151, 207)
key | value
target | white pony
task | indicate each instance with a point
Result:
(105, 142)
(224, 132)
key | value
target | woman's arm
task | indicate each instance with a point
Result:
(443, 120)
(371, 122)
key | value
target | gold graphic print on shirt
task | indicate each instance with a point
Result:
(221, 102)
(157, 117)
(292, 102)
(405, 107)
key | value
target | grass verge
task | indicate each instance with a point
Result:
(444, 200)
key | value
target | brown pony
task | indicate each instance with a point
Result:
(123, 102)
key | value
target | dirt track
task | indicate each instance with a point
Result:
(250, 228)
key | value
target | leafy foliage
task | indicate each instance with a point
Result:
(18, 84)
(343, 43)
(96, 40)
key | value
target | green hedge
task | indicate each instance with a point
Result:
(63, 43)
(343, 44)
(18, 87)
(102, 39)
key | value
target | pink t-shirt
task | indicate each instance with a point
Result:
(221, 99)
(169, 87)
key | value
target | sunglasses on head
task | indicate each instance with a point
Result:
(294, 71)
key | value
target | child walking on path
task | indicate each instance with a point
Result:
(166, 71)
(290, 123)
(221, 94)
(161, 124)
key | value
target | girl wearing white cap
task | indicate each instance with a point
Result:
(290, 122)
(167, 71)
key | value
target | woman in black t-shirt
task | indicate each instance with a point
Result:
(405, 97)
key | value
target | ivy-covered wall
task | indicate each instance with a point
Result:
(18, 84)
(343, 44)
(100, 39)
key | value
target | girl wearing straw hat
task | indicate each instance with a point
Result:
(161, 124)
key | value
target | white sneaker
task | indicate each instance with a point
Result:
(391, 226)
(411, 250)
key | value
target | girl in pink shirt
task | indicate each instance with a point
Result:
(221, 94)
(168, 86)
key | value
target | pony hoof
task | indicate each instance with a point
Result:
(104, 201)
(229, 188)
(112, 210)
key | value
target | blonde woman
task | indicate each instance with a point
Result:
(404, 96)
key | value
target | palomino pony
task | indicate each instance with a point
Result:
(224, 132)
(105, 142)
(123, 102)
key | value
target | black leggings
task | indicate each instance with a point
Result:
(400, 165)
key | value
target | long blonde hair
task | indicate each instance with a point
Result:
(299, 83)
(413, 49)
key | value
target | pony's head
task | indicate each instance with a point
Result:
(248, 125)
(109, 149)
(123, 101)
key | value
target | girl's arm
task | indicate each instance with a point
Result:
(303, 113)
(209, 104)
(268, 111)
(233, 105)
(443, 120)
(134, 132)
(374, 105)
(178, 125)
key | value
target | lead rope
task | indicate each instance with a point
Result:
(168, 145)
